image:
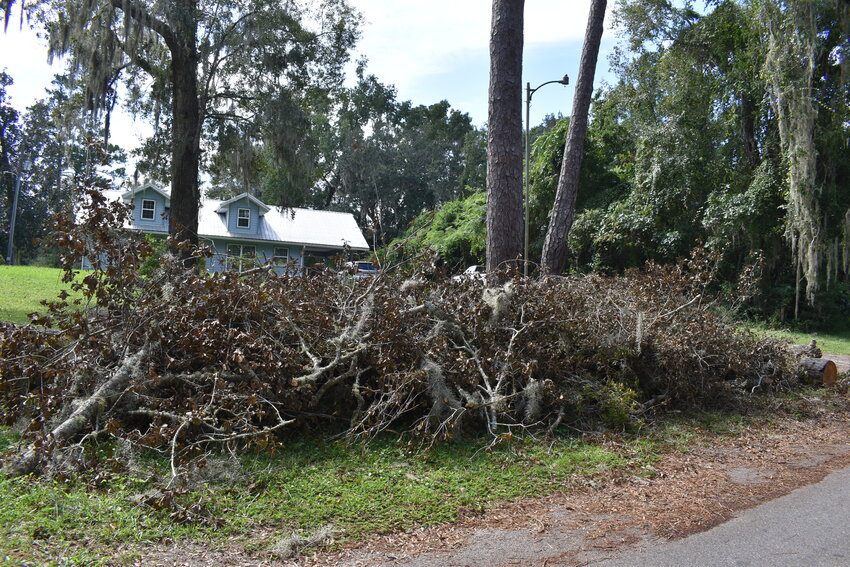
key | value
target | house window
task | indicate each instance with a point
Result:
(281, 256)
(240, 257)
(243, 218)
(148, 209)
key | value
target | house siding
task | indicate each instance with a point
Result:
(264, 253)
(160, 218)
(233, 213)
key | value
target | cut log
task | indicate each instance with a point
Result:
(819, 370)
(810, 350)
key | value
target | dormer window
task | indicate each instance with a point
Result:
(243, 218)
(148, 209)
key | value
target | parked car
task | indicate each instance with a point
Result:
(471, 273)
(361, 269)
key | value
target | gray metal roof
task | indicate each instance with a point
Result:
(326, 229)
(294, 226)
(127, 195)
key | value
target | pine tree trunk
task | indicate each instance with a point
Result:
(504, 137)
(563, 211)
(186, 131)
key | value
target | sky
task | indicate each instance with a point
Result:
(429, 49)
(439, 49)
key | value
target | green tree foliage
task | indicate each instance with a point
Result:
(201, 69)
(456, 232)
(364, 152)
(10, 134)
(605, 169)
(697, 142)
(806, 49)
(60, 146)
(389, 161)
(682, 105)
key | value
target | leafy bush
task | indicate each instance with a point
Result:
(181, 361)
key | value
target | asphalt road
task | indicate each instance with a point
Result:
(809, 527)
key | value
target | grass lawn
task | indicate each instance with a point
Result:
(23, 287)
(308, 486)
(832, 343)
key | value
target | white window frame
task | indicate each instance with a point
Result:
(245, 260)
(280, 259)
(145, 209)
(240, 218)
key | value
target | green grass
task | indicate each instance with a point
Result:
(833, 343)
(23, 287)
(306, 486)
(107, 517)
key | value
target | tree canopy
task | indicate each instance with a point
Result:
(714, 133)
(199, 70)
(59, 146)
(725, 138)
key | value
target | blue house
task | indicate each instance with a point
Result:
(245, 232)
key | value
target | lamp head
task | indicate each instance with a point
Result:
(565, 80)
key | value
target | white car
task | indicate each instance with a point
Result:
(471, 273)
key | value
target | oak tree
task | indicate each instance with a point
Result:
(198, 65)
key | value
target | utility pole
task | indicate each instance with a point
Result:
(529, 92)
(10, 257)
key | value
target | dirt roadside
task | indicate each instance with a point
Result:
(842, 361)
(692, 491)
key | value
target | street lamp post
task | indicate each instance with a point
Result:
(529, 92)
(25, 167)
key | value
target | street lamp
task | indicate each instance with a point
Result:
(529, 92)
(23, 167)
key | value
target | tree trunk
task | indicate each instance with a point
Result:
(563, 211)
(819, 370)
(7, 176)
(748, 131)
(186, 131)
(504, 137)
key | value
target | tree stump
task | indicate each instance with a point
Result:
(819, 370)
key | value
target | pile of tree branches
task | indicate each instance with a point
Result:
(183, 361)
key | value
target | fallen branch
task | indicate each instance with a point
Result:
(91, 408)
